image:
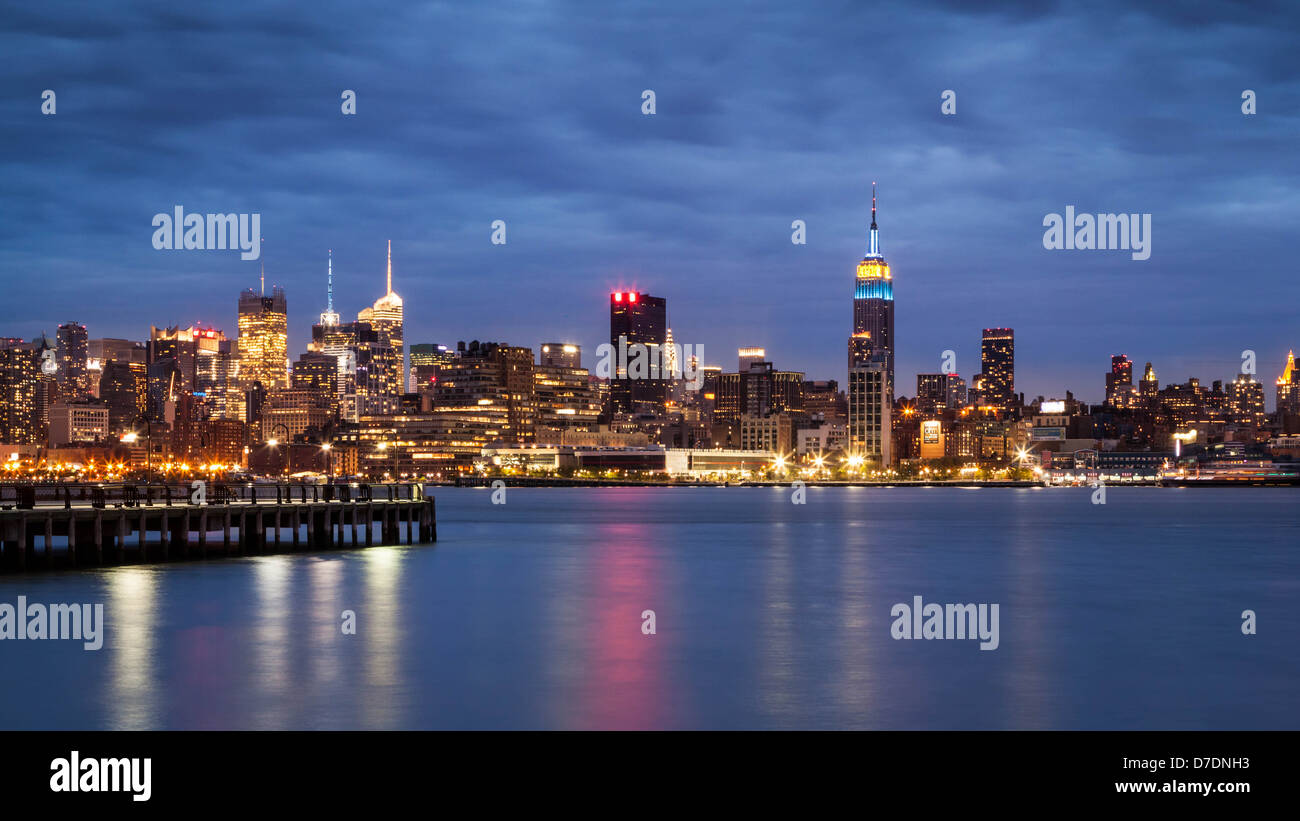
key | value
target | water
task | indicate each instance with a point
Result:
(768, 615)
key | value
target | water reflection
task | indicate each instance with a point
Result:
(272, 649)
(777, 672)
(379, 626)
(131, 635)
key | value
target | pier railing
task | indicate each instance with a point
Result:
(102, 524)
(30, 496)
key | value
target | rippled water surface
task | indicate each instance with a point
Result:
(768, 615)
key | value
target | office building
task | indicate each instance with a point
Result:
(263, 339)
(637, 318)
(73, 377)
(998, 365)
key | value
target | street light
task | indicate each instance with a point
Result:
(273, 441)
(132, 437)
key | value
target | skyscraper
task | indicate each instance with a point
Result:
(263, 339)
(873, 305)
(1288, 387)
(124, 388)
(871, 354)
(870, 411)
(1120, 392)
(561, 354)
(1149, 388)
(385, 317)
(20, 375)
(1246, 400)
(427, 359)
(636, 318)
(998, 364)
(74, 381)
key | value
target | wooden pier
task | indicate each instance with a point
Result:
(64, 526)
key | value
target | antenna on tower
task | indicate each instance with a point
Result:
(873, 249)
(390, 266)
(329, 287)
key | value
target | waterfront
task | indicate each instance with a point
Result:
(768, 615)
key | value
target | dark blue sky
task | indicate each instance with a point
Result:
(766, 113)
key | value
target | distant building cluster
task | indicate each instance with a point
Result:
(362, 402)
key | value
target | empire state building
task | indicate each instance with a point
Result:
(873, 305)
(871, 357)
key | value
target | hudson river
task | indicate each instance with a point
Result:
(767, 614)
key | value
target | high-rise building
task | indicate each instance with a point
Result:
(318, 373)
(873, 306)
(493, 378)
(1288, 387)
(998, 364)
(636, 318)
(427, 359)
(937, 392)
(870, 408)
(824, 401)
(291, 412)
(1149, 388)
(750, 356)
(72, 422)
(386, 319)
(74, 380)
(123, 388)
(561, 354)
(564, 398)
(165, 381)
(178, 345)
(1120, 392)
(871, 354)
(263, 339)
(1246, 400)
(118, 350)
(20, 375)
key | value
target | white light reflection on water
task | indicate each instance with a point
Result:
(131, 640)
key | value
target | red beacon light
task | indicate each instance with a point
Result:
(618, 296)
(631, 297)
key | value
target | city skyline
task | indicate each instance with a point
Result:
(904, 384)
(694, 202)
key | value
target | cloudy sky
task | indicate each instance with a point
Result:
(766, 112)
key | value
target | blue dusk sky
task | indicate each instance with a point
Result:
(766, 113)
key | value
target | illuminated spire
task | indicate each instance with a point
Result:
(263, 279)
(1289, 374)
(329, 317)
(390, 267)
(874, 249)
